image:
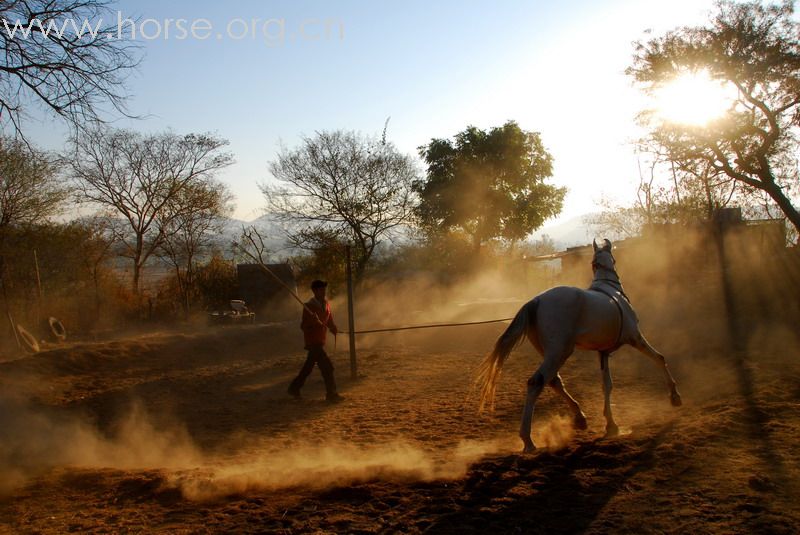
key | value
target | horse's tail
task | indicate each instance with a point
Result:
(490, 369)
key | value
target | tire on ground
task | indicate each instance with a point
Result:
(27, 340)
(57, 330)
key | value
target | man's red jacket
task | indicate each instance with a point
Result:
(315, 327)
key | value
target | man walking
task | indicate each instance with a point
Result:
(317, 320)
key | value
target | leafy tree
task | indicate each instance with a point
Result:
(487, 184)
(144, 179)
(345, 187)
(754, 48)
(30, 189)
(44, 61)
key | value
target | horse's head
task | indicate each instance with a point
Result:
(603, 259)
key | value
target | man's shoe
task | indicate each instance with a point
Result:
(295, 393)
(334, 398)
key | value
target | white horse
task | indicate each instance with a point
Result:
(561, 319)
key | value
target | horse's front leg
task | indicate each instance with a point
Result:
(611, 426)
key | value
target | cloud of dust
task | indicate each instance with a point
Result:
(32, 441)
(341, 464)
(556, 433)
(421, 300)
(673, 282)
(709, 304)
(337, 464)
(676, 277)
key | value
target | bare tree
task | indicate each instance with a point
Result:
(30, 190)
(66, 55)
(142, 179)
(192, 217)
(252, 245)
(343, 185)
(101, 234)
(668, 193)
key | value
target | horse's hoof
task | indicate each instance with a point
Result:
(612, 431)
(580, 422)
(529, 447)
(675, 398)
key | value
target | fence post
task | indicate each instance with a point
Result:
(38, 288)
(352, 336)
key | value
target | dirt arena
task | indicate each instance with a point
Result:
(194, 433)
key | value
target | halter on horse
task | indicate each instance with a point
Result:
(564, 318)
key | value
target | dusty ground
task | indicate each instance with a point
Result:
(195, 434)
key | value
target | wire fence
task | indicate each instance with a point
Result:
(428, 326)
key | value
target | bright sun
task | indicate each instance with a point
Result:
(693, 99)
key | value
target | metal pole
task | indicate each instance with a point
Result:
(38, 288)
(351, 334)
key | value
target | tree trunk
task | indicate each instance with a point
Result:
(364, 253)
(96, 280)
(360, 269)
(709, 198)
(476, 243)
(182, 292)
(791, 213)
(137, 266)
(189, 285)
(136, 272)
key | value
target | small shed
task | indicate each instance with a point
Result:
(264, 295)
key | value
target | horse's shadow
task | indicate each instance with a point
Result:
(549, 492)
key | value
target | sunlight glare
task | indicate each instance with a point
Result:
(694, 99)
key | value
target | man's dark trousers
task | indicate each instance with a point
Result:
(316, 355)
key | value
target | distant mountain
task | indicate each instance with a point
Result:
(570, 233)
(270, 229)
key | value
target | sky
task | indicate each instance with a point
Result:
(270, 72)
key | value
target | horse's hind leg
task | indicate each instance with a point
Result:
(558, 385)
(611, 426)
(535, 385)
(546, 373)
(644, 346)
